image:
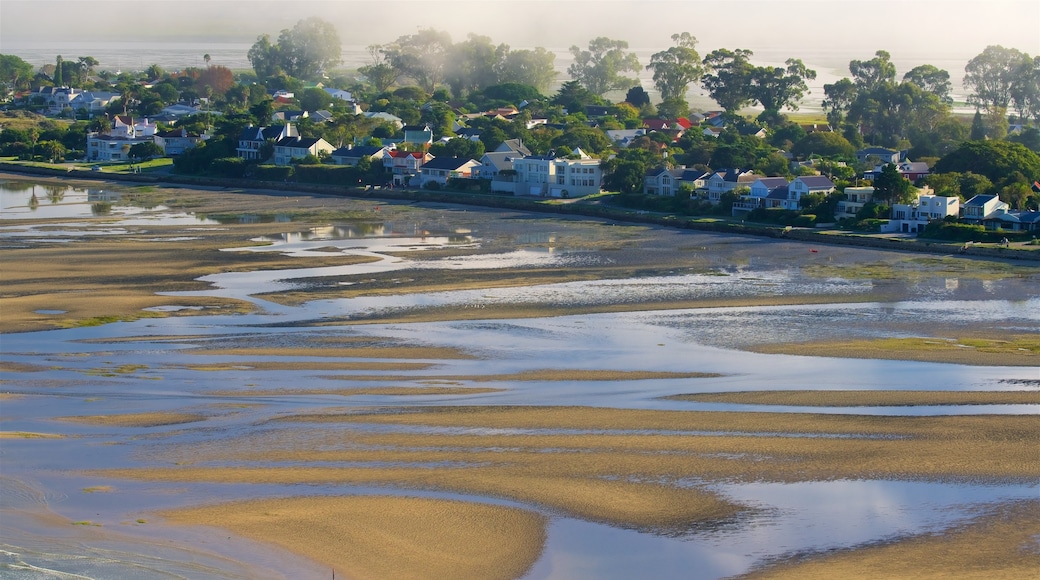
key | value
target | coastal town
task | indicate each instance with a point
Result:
(407, 122)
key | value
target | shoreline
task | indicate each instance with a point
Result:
(532, 204)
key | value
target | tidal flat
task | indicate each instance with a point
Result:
(271, 385)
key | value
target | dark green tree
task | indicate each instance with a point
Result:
(144, 151)
(59, 81)
(978, 128)
(991, 75)
(891, 187)
(729, 78)
(677, 67)
(15, 72)
(996, 160)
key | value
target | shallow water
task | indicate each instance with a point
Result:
(94, 370)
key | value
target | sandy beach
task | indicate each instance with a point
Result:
(435, 405)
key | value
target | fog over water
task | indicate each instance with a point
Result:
(133, 35)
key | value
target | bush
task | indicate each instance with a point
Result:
(233, 167)
(273, 172)
(327, 175)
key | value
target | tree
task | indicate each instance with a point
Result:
(422, 56)
(58, 81)
(381, 73)
(869, 74)
(15, 72)
(891, 187)
(996, 160)
(931, 79)
(637, 97)
(991, 75)
(265, 57)
(777, 88)
(1025, 91)
(529, 67)
(824, 144)
(458, 147)
(677, 67)
(729, 78)
(673, 108)
(145, 150)
(215, 81)
(314, 99)
(206, 58)
(309, 49)
(574, 97)
(473, 64)
(601, 68)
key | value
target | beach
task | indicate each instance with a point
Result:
(273, 384)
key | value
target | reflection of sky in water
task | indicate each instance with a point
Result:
(789, 517)
(793, 518)
(20, 200)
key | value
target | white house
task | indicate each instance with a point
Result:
(177, 141)
(980, 207)
(289, 148)
(725, 180)
(806, 185)
(440, 169)
(911, 218)
(404, 165)
(768, 192)
(855, 199)
(549, 176)
(252, 139)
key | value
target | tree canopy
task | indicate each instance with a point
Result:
(306, 51)
(601, 67)
(677, 67)
(996, 160)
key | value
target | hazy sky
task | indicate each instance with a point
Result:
(922, 27)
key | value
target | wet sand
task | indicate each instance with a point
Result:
(633, 469)
(866, 398)
(1001, 543)
(372, 537)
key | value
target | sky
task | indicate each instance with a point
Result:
(920, 27)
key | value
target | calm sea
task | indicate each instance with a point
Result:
(829, 64)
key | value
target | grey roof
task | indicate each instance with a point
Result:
(772, 183)
(778, 193)
(501, 160)
(515, 145)
(980, 200)
(449, 163)
(297, 142)
(816, 181)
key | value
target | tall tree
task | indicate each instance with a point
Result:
(990, 76)
(381, 72)
(869, 74)
(931, 79)
(58, 81)
(1025, 92)
(474, 64)
(529, 67)
(677, 67)
(422, 56)
(729, 78)
(601, 67)
(14, 71)
(264, 57)
(891, 187)
(777, 88)
(309, 49)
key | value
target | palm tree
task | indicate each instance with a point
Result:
(206, 58)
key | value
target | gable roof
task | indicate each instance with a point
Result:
(514, 145)
(816, 181)
(357, 152)
(448, 163)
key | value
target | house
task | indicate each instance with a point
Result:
(980, 207)
(288, 148)
(515, 146)
(725, 180)
(288, 115)
(807, 185)
(321, 116)
(394, 120)
(351, 156)
(177, 141)
(623, 137)
(911, 218)
(112, 147)
(418, 134)
(663, 181)
(550, 176)
(494, 163)
(1014, 221)
(339, 94)
(883, 155)
(178, 111)
(752, 131)
(766, 192)
(252, 139)
(404, 165)
(126, 126)
(855, 199)
(440, 169)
